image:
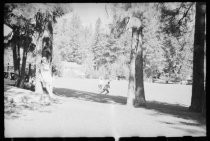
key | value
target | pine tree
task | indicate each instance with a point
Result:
(198, 103)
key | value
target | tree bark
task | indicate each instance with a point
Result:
(139, 91)
(136, 96)
(21, 79)
(50, 28)
(131, 83)
(198, 95)
(29, 71)
(16, 57)
(15, 60)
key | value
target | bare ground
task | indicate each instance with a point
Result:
(80, 111)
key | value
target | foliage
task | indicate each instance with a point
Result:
(177, 28)
(57, 67)
(29, 21)
(97, 45)
(168, 30)
(69, 35)
(167, 35)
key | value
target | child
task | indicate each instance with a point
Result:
(100, 84)
(106, 88)
(46, 77)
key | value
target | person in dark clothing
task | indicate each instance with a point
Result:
(106, 88)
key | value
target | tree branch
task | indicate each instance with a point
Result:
(185, 14)
(106, 11)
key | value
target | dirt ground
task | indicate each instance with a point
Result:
(79, 111)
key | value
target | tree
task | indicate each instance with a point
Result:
(76, 31)
(136, 83)
(135, 17)
(41, 17)
(88, 54)
(73, 41)
(63, 34)
(16, 52)
(22, 38)
(198, 94)
(69, 38)
(97, 47)
(178, 25)
(153, 56)
(176, 30)
(15, 45)
(44, 20)
(122, 46)
(106, 50)
(86, 44)
(28, 46)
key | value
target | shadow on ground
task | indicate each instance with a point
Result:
(160, 108)
(178, 111)
(90, 96)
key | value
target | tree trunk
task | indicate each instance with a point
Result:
(136, 95)
(16, 58)
(198, 95)
(131, 83)
(51, 46)
(29, 71)
(139, 91)
(21, 79)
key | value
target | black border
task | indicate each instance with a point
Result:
(187, 138)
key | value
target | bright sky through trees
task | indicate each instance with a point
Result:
(90, 12)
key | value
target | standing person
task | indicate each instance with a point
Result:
(100, 83)
(106, 88)
(9, 74)
(46, 77)
(8, 67)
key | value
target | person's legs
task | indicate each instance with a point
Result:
(107, 91)
(44, 98)
(102, 91)
(42, 94)
(99, 87)
(49, 91)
